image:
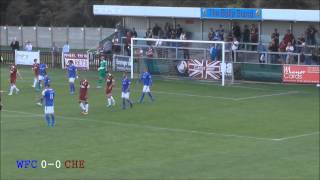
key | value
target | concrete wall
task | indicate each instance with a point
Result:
(78, 37)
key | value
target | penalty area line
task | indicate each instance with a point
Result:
(155, 127)
(173, 129)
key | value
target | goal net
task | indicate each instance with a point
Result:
(181, 59)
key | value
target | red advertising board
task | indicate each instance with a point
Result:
(301, 74)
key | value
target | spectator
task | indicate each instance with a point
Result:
(115, 45)
(234, 48)
(289, 50)
(236, 31)
(288, 37)
(149, 60)
(254, 35)
(246, 34)
(28, 46)
(221, 32)
(273, 48)
(229, 37)
(128, 43)
(155, 31)
(276, 36)
(107, 50)
(304, 50)
(210, 34)
(216, 36)
(66, 48)
(262, 52)
(213, 53)
(167, 29)
(311, 35)
(54, 53)
(15, 44)
(179, 30)
(134, 33)
(282, 48)
(301, 39)
(185, 45)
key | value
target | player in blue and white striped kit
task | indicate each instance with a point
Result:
(42, 74)
(147, 82)
(125, 95)
(72, 75)
(48, 96)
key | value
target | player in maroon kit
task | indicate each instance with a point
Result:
(13, 78)
(109, 85)
(83, 96)
(35, 69)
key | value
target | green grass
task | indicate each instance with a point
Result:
(192, 131)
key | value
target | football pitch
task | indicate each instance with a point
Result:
(193, 130)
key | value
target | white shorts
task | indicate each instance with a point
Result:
(40, 77)
(48, 110)
(71, 80)
(125, 95)
(146, 88)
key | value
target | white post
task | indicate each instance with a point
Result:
(62, 60)
(223, 62)
(131, 57)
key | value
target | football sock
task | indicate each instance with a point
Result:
(123, 103)
(141, 98)
(109, 101)
(39, 84)
(150, 95)
(87, 107)
(129, 102)
(72, 87)
(112, 100)
(48, 119)
(82, 106)
(52, 120)
(34, 82)
(11, 89)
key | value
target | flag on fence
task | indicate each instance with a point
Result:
(204, 69)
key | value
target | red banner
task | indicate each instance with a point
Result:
(301, 74)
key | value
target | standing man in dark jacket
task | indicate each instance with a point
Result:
(14, 44)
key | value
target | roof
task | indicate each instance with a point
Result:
(209, 13)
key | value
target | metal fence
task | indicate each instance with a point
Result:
(247, 52)
(52, 59)
(44, 37)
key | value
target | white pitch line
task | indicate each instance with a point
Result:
(155, 127)
(172, 129)
(194, 95)
(211, 97)
(266, 95)
(297, 136)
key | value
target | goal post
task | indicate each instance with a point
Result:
(188, 59)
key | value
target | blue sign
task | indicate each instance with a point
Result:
(231, 13)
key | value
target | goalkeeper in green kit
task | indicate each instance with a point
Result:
(102, 72)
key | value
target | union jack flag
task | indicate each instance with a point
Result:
(204, 69)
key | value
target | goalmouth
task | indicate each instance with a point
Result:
(190, 59)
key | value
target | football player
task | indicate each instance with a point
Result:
(35, 69)
(48, 95)
(147, 82)
(83, 96)
(72, 74)
(109, 85)
(125, 95)
(13, 78)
